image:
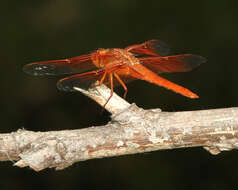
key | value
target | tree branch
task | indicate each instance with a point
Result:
(131, 130)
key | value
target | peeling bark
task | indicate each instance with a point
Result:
(131, 130)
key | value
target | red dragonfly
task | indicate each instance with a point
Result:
(116, 66)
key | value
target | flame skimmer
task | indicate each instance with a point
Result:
(116, 66)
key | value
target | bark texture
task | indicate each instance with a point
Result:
(131, 130)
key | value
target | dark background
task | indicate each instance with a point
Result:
(42, 30)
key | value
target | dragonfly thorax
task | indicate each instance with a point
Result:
(106, 57)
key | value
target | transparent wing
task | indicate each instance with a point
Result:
(176, 63)
(151, 47)
(64, 66)
(86, 80)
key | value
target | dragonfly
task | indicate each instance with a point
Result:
(116, 67)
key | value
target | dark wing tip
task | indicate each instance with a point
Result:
(38, 69)
(159, 47)
(68, 83)
(65, 86)
(193, 61)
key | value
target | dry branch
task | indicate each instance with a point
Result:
(131, 130)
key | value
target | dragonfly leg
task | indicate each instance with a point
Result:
(122, 83)
(111, 85)
(99, 82)
(102, 79)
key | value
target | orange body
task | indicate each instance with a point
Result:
(118, 66)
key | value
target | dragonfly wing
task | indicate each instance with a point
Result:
(72, 65)
(151, 47)
(176, 63)
(86, 80)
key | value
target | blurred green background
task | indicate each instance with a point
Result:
(42, 30)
